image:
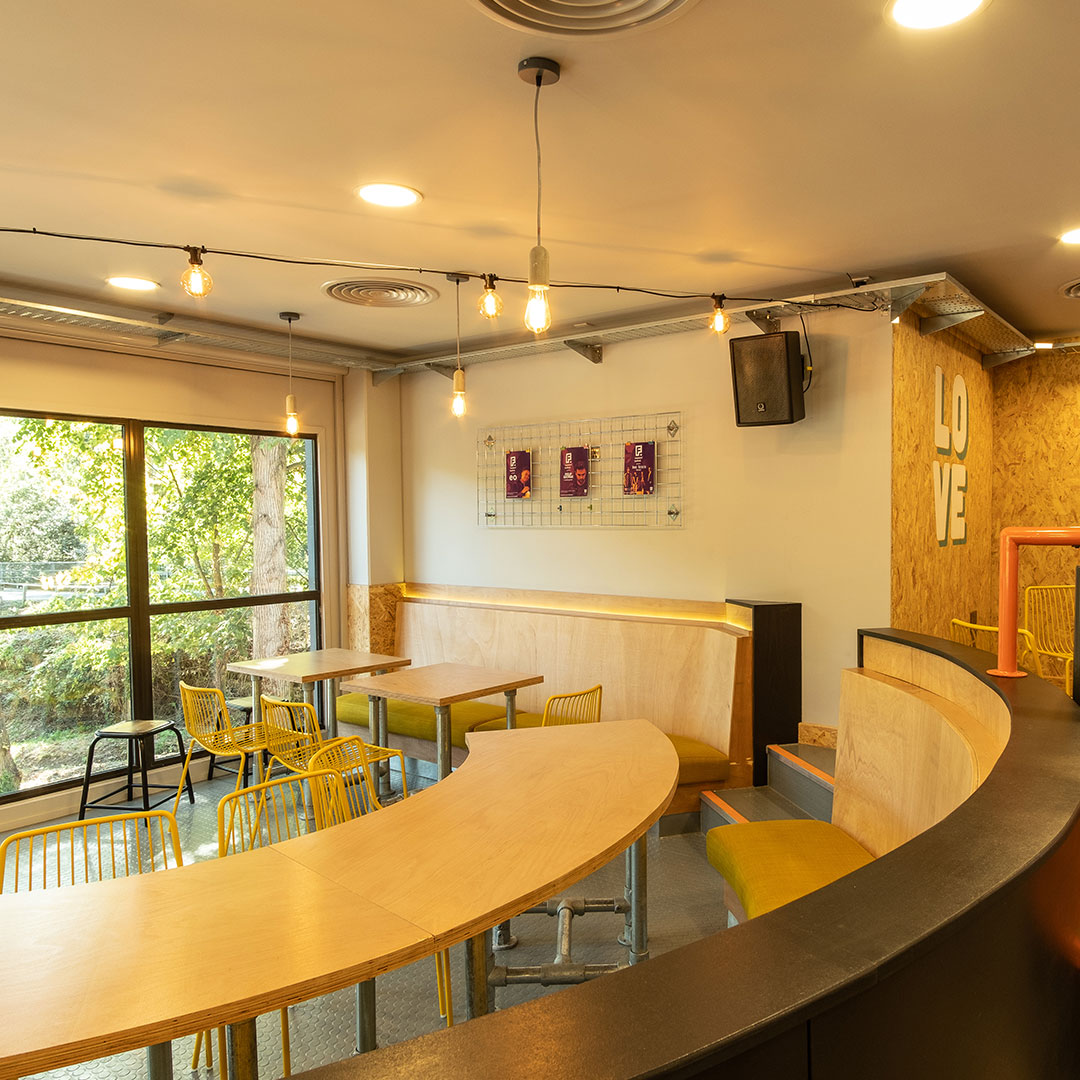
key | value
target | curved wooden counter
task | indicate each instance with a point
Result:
(92, 970)
(956, 955)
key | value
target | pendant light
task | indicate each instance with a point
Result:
(196, 280)
(292, 421)
(490, 303)
(457, 401)
(542, 72)
(718, 320)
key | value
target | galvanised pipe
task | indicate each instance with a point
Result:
(1008, 583)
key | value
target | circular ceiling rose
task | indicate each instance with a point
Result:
(581, 17)
(1071, 289)
(381, 292)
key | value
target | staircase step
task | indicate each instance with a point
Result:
(804, 775)
(731, 805)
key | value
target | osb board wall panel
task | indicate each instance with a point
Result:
(684, 677)
(372, 612)
(933, 584)
(1037, 460)
(905, 758)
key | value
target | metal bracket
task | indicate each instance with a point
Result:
(990, 360)
(943, 322)
(378, 377)
(901, 301)
(593, 353)
(764, 323)
(167, 337)
(446, 370)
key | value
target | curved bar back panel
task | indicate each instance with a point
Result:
(530, 812)
(954, 955)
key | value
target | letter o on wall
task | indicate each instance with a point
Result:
(959, 417)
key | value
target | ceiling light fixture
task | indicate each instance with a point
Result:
(719, 322)
(389, 195)
(490, 303)
(292, 421)
(1043, 344)
(195, 279)
(457, 401)
(931, 14)
(542, 72)
(135, 284)
(1071, 237)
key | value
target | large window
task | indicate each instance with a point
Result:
(133, 556)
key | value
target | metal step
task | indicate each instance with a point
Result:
(732, 805)
(804, 775)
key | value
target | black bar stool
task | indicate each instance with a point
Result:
(140, 755)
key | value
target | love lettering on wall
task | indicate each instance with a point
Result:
(951, 430)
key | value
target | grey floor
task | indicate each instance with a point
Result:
(685, 901)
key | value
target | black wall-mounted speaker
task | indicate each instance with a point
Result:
(767, 376)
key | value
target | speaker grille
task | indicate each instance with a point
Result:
(766, 373)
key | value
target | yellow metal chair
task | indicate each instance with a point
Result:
(582, 707)
(351, 758)
(1049, 612)
(986, 638)
(206, 720)
(275, 810)
(292, 733)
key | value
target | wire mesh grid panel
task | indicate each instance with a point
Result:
(617, 471)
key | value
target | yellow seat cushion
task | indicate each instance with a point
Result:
(521, 719)
(771, 863)
(699, 763)
(418, 721)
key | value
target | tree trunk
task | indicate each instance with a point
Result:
(270, 625)
(9, 771)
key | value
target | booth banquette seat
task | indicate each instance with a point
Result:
(906, 757)
(689, 677)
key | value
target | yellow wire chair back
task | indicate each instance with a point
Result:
(986, 638)
(352, 759)
(98, 849)
(292, 732)
(280, 809)
(206, 718)
(582, 707)
(1049, 612)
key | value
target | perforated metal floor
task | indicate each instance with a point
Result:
(685, 904)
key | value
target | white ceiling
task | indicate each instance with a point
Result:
(752, 147)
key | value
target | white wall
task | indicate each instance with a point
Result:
(798, 513)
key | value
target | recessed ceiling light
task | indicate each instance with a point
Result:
(137, 284)
(389, 194)
(1071, 237)
(1043, 344)
(930, 14)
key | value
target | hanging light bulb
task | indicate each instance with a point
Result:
(718, 320)
(541, 71)
(292, 421)
(457, 401)
(490, 303)
(195, 279)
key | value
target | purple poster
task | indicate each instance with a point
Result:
(639, 467)
(574, 472)
(519, 474)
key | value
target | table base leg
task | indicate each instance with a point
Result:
(442, 739)
(365, 1016)
(159, 1061)
(504, 939)
(479, 962)
(511, 709)
(331, 707)
(639, 887)
(243, 1050)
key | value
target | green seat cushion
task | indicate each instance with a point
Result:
(771, 863)
(699, 763)
(521, 719)
(418, 721)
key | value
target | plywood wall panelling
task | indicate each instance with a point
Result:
(372, 613)
(932, 584)
(1037, 460)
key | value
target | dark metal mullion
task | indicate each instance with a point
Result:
(260, 600)
(60, 618)
(138, 571)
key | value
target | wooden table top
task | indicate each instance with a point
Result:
(530, 812)
(443, 684)
(306, 667)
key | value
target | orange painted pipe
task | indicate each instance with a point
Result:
(1008, 581)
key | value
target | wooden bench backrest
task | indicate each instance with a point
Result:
(905, 758)
(686, 677)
